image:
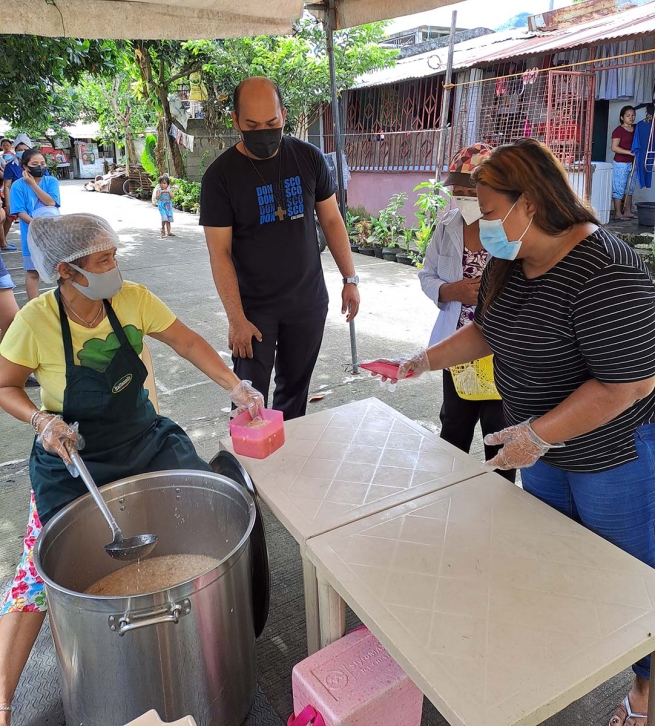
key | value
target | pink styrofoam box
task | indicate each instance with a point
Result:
(355, 682)
(257, 443)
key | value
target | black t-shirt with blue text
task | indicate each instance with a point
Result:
(270, 206)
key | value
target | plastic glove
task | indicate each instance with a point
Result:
(521, 447)
(246, 398)
(417, 364)
(57, 437)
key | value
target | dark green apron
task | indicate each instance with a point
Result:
(123, 434)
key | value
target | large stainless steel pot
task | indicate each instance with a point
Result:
(186, 650)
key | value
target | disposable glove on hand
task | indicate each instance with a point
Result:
(57, 437)
(246, 398)
(521, 447)
(417, 364)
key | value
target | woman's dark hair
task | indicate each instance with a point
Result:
(624, 110)
(28, 154)
(529, 168)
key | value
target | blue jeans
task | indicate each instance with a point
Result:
(618, 505)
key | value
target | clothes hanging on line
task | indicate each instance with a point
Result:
(184, 140)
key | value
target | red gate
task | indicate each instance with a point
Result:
(568, 128)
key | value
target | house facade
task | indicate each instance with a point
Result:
(562, 81)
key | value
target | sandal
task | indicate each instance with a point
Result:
(623, 712)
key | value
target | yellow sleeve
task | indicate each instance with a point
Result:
(19, 344)
(155, 314)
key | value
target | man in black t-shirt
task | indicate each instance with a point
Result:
(257, 208)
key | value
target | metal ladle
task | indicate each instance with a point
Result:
(120, 548)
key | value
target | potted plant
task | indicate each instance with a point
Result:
(405, 255)
(365, 239)
(423, 238)
(392, 221)
(353, 234)
(379, 235)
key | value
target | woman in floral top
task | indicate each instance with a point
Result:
(450, 277)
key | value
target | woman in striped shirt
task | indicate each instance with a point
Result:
(568, 310)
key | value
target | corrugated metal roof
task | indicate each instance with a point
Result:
(517, 43)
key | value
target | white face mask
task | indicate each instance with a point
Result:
(469, 208)
(102, 285)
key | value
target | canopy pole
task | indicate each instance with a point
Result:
(330, 26)
(445, 101)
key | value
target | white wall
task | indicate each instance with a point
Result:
(641, 195)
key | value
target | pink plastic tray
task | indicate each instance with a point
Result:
(388, 370)
(257, 443)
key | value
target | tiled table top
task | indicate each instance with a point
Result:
(501, 610)
(348, 462)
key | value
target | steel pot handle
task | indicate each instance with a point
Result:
(170, 613)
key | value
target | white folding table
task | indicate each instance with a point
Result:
(345, 463)
(501, 609)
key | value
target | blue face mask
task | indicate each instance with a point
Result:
(8, 157)
(19, 154)
(494, 238)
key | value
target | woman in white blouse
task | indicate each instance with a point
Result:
(450, 277)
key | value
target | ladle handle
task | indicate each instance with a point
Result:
(95, 493)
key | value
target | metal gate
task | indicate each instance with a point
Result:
(555, 107)
(569, 125)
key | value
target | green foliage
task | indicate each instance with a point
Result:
(116, 101)
(387, 228)
(429, 203)
(39, 73)
(298, 64)
(186, 194)
(360, 212)
(148, 161)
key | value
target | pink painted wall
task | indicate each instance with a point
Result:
(372, 190)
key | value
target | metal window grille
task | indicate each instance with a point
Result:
(555, 107)
(391, 128)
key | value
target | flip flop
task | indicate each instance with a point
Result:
(625, 706)
(620, 219)
(8, 248)
(170, 234)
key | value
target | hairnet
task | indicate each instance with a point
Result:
(66, 238)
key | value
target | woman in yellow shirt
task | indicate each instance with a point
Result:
(82, 342)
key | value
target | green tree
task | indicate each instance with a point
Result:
(162, 64)
(298, 64)
(116, 103)
(39, 74)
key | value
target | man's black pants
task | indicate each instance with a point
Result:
(459, 417)
(290, 343)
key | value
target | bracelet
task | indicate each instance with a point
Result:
(5, 708)
(34, 420)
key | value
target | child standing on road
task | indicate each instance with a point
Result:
(164, 197)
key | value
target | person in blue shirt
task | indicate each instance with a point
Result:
(12, 173)
(31, 192)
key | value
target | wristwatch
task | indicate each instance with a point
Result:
(351, 280)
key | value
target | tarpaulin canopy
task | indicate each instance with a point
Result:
(187, 19)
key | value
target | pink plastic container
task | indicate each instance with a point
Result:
(355, 682)
(388, 370)
(257, 443)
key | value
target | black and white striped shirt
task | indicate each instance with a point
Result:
(592, 315)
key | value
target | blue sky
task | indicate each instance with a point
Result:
(475, 13)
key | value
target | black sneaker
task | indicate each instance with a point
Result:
(31, 382)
